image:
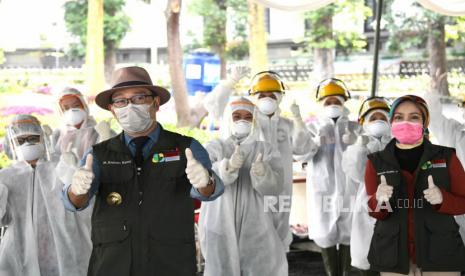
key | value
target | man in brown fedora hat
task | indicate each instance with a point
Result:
(143, 181)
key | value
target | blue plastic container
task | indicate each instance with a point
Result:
(202, 71)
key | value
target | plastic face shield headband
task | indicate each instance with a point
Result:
(334, 80)
(274, 75)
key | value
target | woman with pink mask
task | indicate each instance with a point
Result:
(415, 190)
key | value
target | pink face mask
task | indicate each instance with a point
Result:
(407, 133)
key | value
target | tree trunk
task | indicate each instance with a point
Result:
(110, 61)
(258, 59)
(437, 57)
(94, 49)
(178, 81)
(323, 58)
(220, 51)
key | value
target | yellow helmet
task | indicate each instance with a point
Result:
(266, 81)
(370, 104)
(332, 87)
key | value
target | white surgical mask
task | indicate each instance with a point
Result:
(377, 128)
(267, 105)
(74, 116)
(30, 152)
(241, 128)
(134, 117)
(333, 111)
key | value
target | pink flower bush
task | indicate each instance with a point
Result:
(14, 110)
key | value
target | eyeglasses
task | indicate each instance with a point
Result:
(137, 99)
(32, 139)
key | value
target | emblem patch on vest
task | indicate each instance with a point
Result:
(434, 164)
(166, 156)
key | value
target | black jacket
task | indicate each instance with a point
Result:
(438, 244)
(151, 232)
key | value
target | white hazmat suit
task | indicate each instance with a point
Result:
(285, 136)
(328, 195)
(237, 234)
(81, 139)
(42, 237)
(449, 133)
(354, 160)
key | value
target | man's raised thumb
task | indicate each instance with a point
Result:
(189, 155)
(431, 182)
(383, 180)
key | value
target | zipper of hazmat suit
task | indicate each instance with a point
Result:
(33, 207)
(237, 216)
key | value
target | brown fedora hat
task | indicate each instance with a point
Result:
(129, 77)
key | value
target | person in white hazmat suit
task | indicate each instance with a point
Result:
(450, 133)
(287, 137)
(79, 131)
(237, 234)
(374, 119)
(42, 237)
(328, 195)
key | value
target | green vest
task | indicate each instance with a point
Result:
(143, 224)
(438, 244)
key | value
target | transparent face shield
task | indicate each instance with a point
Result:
(27, 141)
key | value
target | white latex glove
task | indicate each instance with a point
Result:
(296, 116)
(433, 194)
(348, 137)
(258, 167)
(104, 130)
(82, 178)
(384, 191)
(236, 160)
(237, 73)
(362, 140)
(198, 176)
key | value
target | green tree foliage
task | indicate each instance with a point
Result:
(408, 24)
(319, 36)
(215, 14)
(116, 23)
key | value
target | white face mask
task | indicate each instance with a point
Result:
(333, 111)
(30, 152)
(267, 105)
(377, 128)
(241, 128)
(134, 117)
(74, 116)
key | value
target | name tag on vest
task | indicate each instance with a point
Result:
(109, 162)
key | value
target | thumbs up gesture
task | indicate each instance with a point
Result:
(348, 137)
(82, 178)
(258, 167)
(362, 140)
(196, 173)
(384, 191)
(433, 194)
(237, 159)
